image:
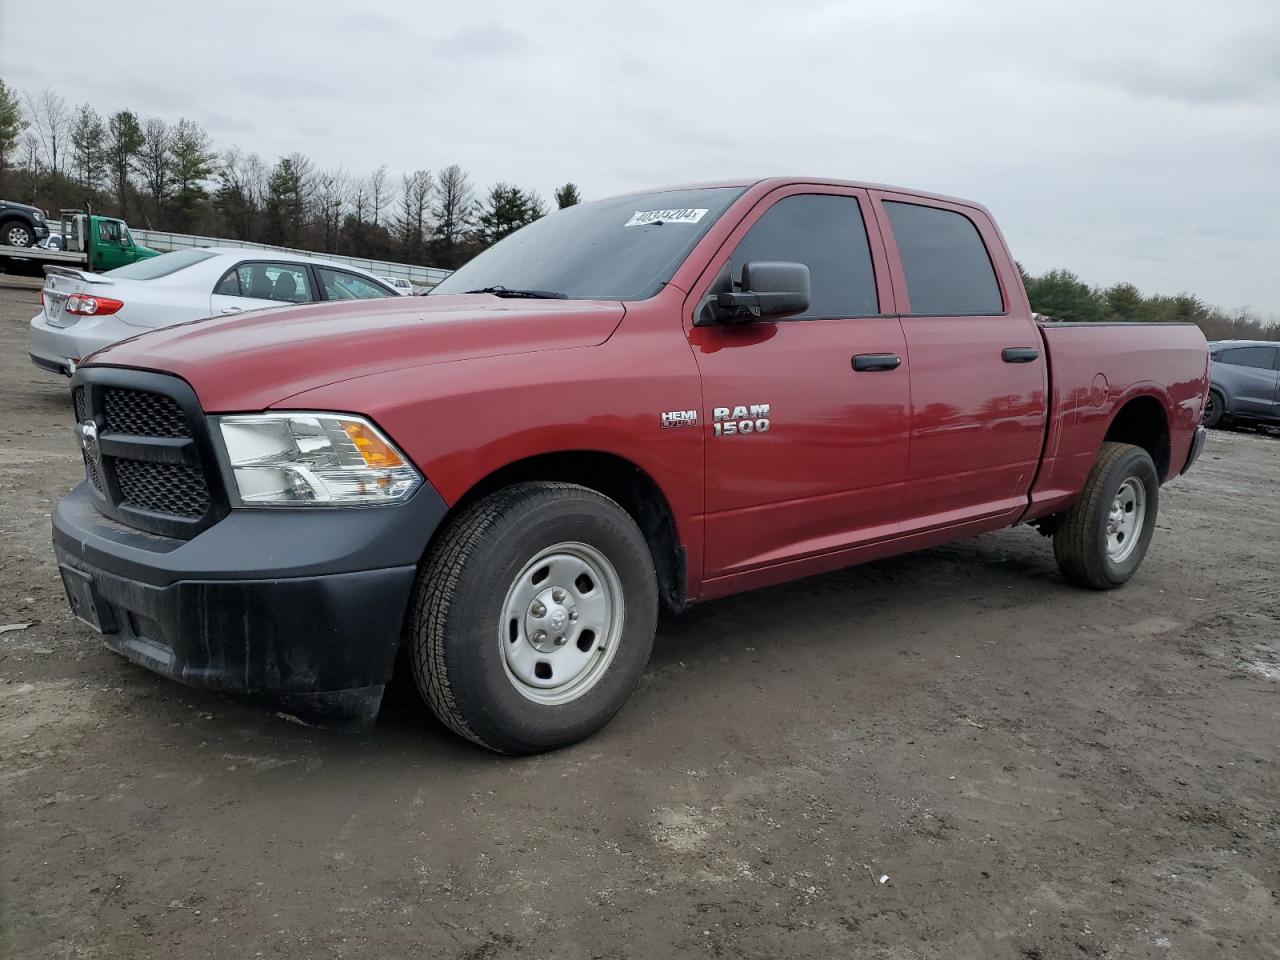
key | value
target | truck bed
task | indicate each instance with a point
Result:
(1096, 370)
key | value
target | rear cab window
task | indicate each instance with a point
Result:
(946, 265)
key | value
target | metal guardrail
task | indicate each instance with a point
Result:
(418, 276)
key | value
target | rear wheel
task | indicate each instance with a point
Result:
(15, 233)
(533, 617)
(1214, 408)
(1101, 541)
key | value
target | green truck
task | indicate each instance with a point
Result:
(83, 240)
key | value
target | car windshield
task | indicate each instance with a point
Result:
(160, 266)
(625, 248)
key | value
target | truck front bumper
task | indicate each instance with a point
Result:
(299, 609)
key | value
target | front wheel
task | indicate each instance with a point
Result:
(533, 617)
(1101, 540)
(17, 234)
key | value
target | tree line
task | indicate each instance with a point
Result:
(164, 175)
(1062, 295)
(169, 176)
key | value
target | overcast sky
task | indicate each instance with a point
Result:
(1122, 139)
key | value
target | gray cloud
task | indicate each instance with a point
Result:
(1126, 141)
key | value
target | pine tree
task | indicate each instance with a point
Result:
(12, 123)
(506, 210)
(88, 148)
(568, 196)
(191, 164)
(123, 143)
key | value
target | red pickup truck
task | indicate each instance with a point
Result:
(658, 398)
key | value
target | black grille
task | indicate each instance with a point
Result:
(155, 468)
(91, 471)
(163, 487)
(143, 414)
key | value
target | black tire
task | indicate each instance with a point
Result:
(456, 623)
(1214, 410)
(15, 233)
(1080, 542)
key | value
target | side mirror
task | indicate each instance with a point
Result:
(770, 289)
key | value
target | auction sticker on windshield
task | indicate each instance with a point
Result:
(681, 215)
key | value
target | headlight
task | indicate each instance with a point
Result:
(37, 216)
(321, 459)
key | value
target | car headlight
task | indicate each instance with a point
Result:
(37, 216)
(318, 459)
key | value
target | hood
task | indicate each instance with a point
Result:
(11, 205)
(250, 361)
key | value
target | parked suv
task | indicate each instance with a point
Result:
(1244, 382)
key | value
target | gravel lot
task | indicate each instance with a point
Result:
(948, 755)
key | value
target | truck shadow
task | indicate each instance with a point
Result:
(1004, 569)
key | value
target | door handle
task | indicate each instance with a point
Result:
(1019, 354)
(232, 310)
(871, 362)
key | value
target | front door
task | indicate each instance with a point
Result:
(805, 454)
(978, 367)
(1252, 380)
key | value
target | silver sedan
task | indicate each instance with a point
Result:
(84, 312)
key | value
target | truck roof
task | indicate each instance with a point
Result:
(770, 183)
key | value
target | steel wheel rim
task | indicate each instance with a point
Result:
(561, 623)
(1125, 519)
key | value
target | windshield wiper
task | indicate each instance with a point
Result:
(501, 291)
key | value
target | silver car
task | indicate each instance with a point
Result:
(1244, 382)
(83, 312)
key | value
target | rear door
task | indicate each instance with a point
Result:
(978, 370)
(256, 284)
(806, 452)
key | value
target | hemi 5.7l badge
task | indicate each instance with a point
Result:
(740, 420)
(679, 418)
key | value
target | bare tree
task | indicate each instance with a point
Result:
(29, 162)
(454, 214)
(52, 121)
(157, 140)
(415, 206)
(379, 193)
(332, 189)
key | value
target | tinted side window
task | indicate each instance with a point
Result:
(826, 234)
(340, 285)
(285, 282)
(945, 262)
(1263, 357)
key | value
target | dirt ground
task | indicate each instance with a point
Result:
(950, 755)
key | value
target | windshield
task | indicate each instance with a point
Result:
(620, 249)
(160, 266)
